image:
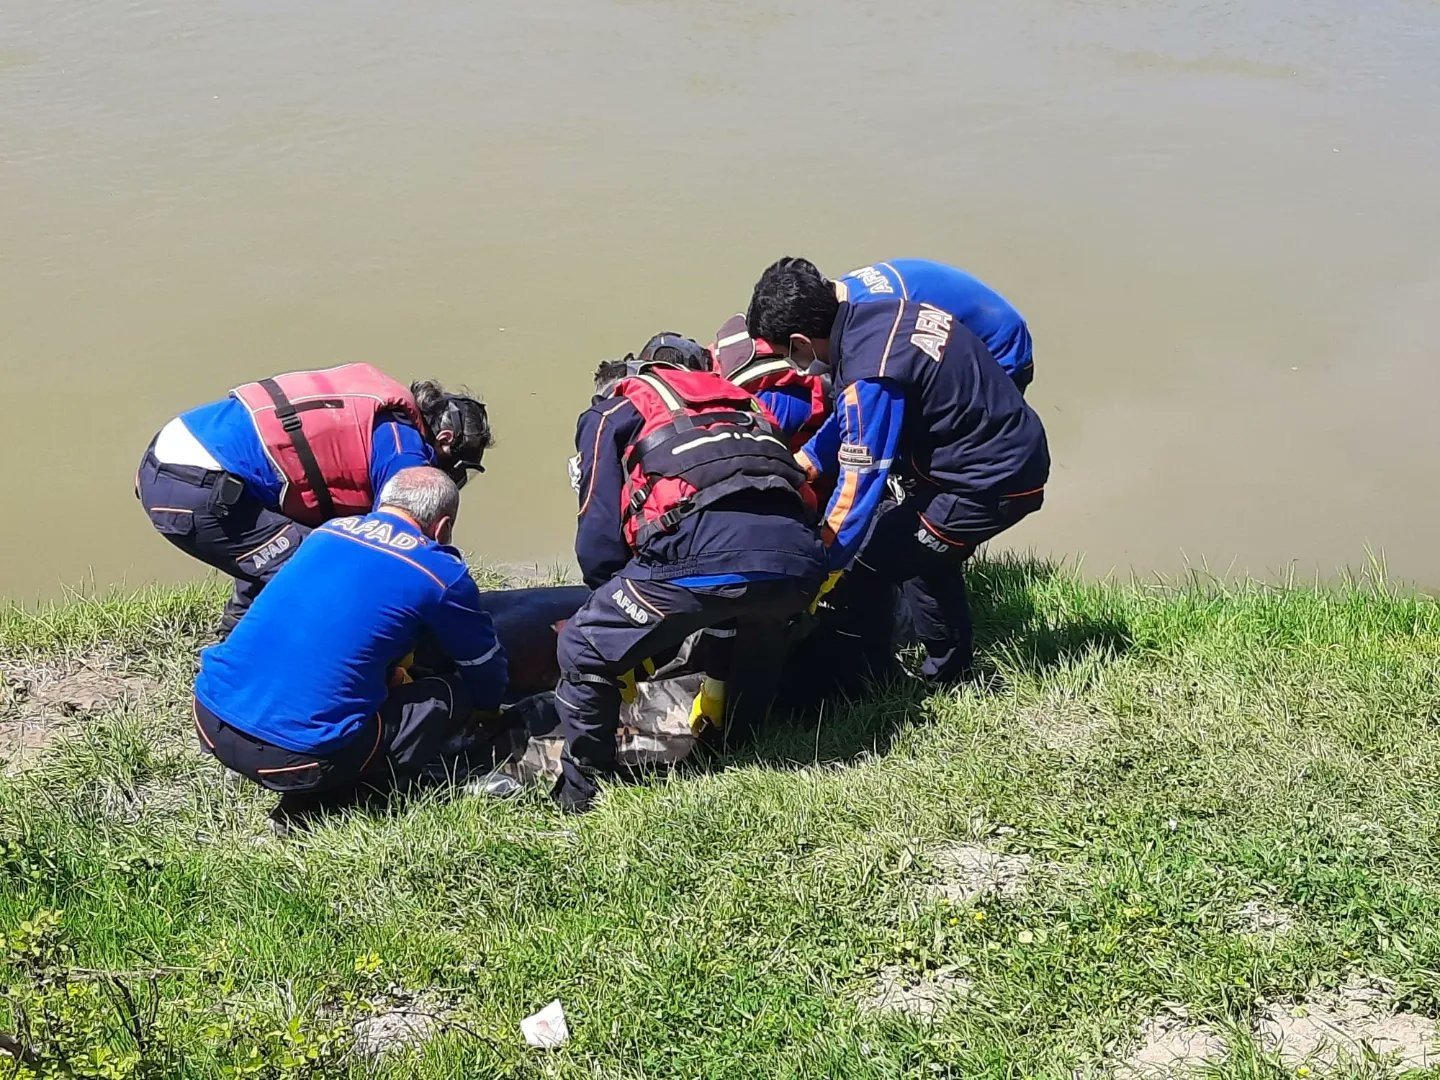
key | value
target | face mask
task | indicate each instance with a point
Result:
(813, 366)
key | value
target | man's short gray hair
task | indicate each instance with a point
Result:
(426, 494)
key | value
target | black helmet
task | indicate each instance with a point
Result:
(669, 347)
(470, 423)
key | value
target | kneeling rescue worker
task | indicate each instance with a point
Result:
(920, 395)
(299, 698)
(693, 514)
(240, 482)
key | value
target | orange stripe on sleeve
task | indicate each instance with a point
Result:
(844, 501)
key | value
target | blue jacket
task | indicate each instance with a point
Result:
(225, 429)
(742, 537)
(310, 663)
(987, 314)
(918, 393)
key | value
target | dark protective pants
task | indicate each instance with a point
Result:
(409, 732)
(627, 621)
(246, 540)
(921, 545)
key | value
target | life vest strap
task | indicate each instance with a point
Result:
(741, 483)
(289, 416)
(683, 424)
(757, 369)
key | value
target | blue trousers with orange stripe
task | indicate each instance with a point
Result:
(921, 545)
(409, 731)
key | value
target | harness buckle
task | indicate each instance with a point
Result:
(670, 520)
(290, 422)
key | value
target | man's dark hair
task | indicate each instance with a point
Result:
(610, 372)
(465, 416)
(791, 297)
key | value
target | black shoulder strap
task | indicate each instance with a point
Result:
(290, 420)
(708, 496)
(663, 434)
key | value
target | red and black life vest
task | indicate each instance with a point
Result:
(702, 439)
(753, 364)
(317, 428)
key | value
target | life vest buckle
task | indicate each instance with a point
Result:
(669, 521)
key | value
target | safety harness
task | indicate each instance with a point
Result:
(703, 440)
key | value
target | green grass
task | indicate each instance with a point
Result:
(1163, 753)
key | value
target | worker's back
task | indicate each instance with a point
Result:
(982, 310)
(310, 663)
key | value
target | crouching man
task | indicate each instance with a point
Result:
(299, 698)
(239, 483)
(693, 514)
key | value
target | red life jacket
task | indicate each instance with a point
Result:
(317, 428)
(753, 365)
(702, 440)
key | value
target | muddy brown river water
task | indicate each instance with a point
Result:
(1221, 220)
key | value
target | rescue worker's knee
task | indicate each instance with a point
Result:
(574, 653)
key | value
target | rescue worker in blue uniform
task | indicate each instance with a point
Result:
(213, 485)
(987, 314)
(303, 696)
(917, 395)
(692, 515)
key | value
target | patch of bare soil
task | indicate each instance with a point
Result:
(400, 1019)
(1171, 1046)
(386, 1032)
(1259, 919)
(1327, 1029)
(1062, 724)
(22, 740)
(898, 991)
(969, 872)
(38, 702)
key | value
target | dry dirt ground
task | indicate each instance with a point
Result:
(1327, 1028)
(1322, 1033)
(39, 702)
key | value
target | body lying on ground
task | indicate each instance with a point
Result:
(240, 482)
(921, 397)
(692, 515)
(303, 696)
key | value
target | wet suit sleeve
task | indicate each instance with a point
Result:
(869, 415)
(789, 406)
(603, 433)
(395, 445)
(467, 635)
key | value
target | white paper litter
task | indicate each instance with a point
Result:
(547, 1028)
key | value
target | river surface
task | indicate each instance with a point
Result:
(1222, 220)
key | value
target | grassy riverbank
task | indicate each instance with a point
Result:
(1190, 819)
